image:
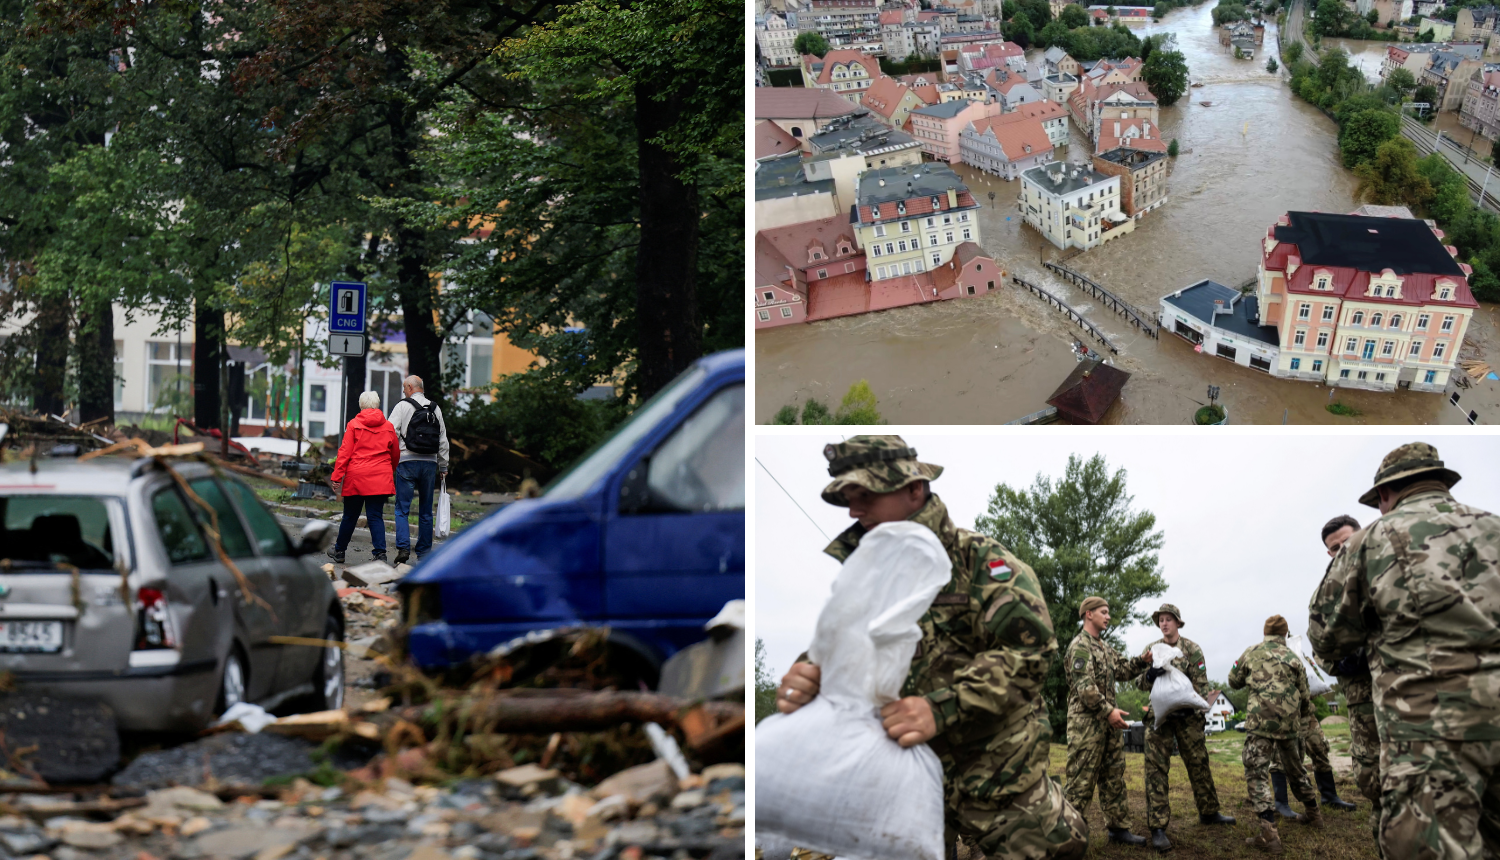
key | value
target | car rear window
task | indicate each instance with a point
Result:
(52, 530)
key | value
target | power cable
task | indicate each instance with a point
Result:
(794, 501)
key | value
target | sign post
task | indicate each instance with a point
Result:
(347, 337)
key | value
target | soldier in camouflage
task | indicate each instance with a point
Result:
(1419, 590)
(1096, 745)
(1184, 727)
(1278, 710)
(974, 692)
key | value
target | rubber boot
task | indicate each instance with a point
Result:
(1125, 837)
(1278, 785)
(1267, 840)
(1159, 839)
(1330, 792)
(1216, 818)
(1313, 817)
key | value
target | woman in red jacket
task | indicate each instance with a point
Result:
(365, 474)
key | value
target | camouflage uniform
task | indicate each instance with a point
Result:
(1096, 749)
(986, 643)
(1278, 711)
(1420, 590)
(1315, 746)
(1184, 727)
(1364, 737)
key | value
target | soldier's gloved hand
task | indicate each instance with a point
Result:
(799, 686)
(1153, 673)
(1117, 718)
(909, 721)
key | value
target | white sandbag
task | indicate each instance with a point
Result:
(442, 518)
(1171, 691)
(827, 777)
(1317, 683)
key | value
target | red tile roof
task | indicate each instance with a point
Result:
(1147, 135)
(883, 98)
(895, 16)
(772, 139)
(1015, 133)
(793, 242)
(915, 206)
(1043, 110)
(842, 56)
(800, 103)
(1417, 288)
(928, 93)
(1004, 80)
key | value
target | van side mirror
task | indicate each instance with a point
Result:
(315, 537)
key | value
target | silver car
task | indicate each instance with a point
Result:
(110, 590)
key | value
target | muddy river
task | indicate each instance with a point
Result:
(1252, 154)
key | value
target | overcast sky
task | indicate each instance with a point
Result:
(1239, 514)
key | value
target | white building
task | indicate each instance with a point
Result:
(1073, 205)
(1222, 322)
(776, 40)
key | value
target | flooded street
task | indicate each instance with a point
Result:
(1254, 153)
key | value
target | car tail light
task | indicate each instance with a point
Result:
(154, 627)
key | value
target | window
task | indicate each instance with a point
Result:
(1375, 320)
(1363, 375)
(906, 226)
(931, 222)
(1344, 374)
(822, 273)
(1380, 377)
(1322, 340)
(1300, 338)
(937, 259)
(1296, 363)
(169, 383)
(890, 247)
(967, 234)
(971, 291)
(315, 430)
(818, 255)
(932, 240)
(317, 398)
(481, 363)
(879, 230)
(1438, 349)
(901, 244)
(1304, 311)
(1422, 320)
(1444, 294)
(179, 533)
(1430, 377)
(269, 537)
(1358, 319)
(1395, 320)
(1318, 365)
(765, 316)
(770, 296)
(948, 237)
(876, 249)
(786, 313)
(231, 533)
(68, 529)
(1447, 324)
(1388, 349)
(1327, 313)
(1351, 345)
(1369, 350)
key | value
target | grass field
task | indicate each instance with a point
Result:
(1345, 835)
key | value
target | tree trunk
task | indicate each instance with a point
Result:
(414, 285)
(51, 355)
(208, 356)
(354, 386)
(96, 361)
(668, 335)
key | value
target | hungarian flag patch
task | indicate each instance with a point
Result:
(1200, 664)
(999, 570)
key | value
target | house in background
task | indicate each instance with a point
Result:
(1006, 145)
(1143, 177)
(845, 72)
(939, 127)
(1073, 205)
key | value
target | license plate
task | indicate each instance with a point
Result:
(31, 635)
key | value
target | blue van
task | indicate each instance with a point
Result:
(645, 535)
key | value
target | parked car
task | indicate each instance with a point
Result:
(645, 534)
(110, 590)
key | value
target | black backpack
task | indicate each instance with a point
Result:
(424, 434)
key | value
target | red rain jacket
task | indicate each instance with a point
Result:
(368, 458)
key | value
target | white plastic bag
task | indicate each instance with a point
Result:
(1317, 683)
(827, 777)
(442, 518)
(1172, 691)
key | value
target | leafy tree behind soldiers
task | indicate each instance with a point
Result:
(1278, 711)
(1419, 590)
(973, 693)
(1096, 745)
(1185, 728)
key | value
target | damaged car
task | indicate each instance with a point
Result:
(113, 590)
(644, 535)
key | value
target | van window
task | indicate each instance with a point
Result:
(701, 466)
(52, 530)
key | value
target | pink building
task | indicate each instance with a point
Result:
(938, 127)
(794, 261)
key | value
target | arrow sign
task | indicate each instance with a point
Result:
(346, 344)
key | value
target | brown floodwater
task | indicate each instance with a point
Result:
(1254, 153)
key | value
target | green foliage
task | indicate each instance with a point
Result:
(810, 43)
(785, 415)
(1039, 12)
(1056, 33)
(1427, 94)
(1427, 36)
(1332, 18)
(814, 412)
(1341, 409)
(1373, 17)
(1131, 699)
(1172, 148)
(539, 415)
(1393, 178)
(1161, 11)
(1074, 16)
(1362, 135)
(1166, 74)
(765, 684)
(1271, 65)
(859, 406)
(1238, 699)
(1293, 52)
(1019, 30)
(1211, 414)
(1081, 537)
(1229, 11)
(1320, 707)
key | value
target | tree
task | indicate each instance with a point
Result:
(1373, 17)
(1362, 135)
(1166, 75)
(1393, 177)
(1161, 11)
(1294, 52)
(1332, 18)
(1401, 80)
(1081, 537)
(1172, 148)
(859, 406)
(1038, 11)
(1056, 34)
(1019, 30)
(1271, 65)
(1427, 36)
(1074, 16)
(765, 684)
(1426, 94)
(810, 43)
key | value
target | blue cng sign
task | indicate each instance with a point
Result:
(346, 308)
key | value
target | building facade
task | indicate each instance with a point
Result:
(938, 127)
(776, 40)
(1221, 322)
(1073, 205)
(1363, 301)
(843, 23)
(1143, 178)
(910, 219)
(1481, 107)
(1006, 145)
(845, 72)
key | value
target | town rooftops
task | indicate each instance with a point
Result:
(944, 110)
(1018, 136)
(1238, 314)
(862, 133)
(916, 185)
(1131, 157)
(782, 177)
(830, 237)
(1074, 177)
(772, 139)
(800, 103)
(823, 68)
(1368, 244)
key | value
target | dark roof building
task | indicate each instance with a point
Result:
(1088, 392)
